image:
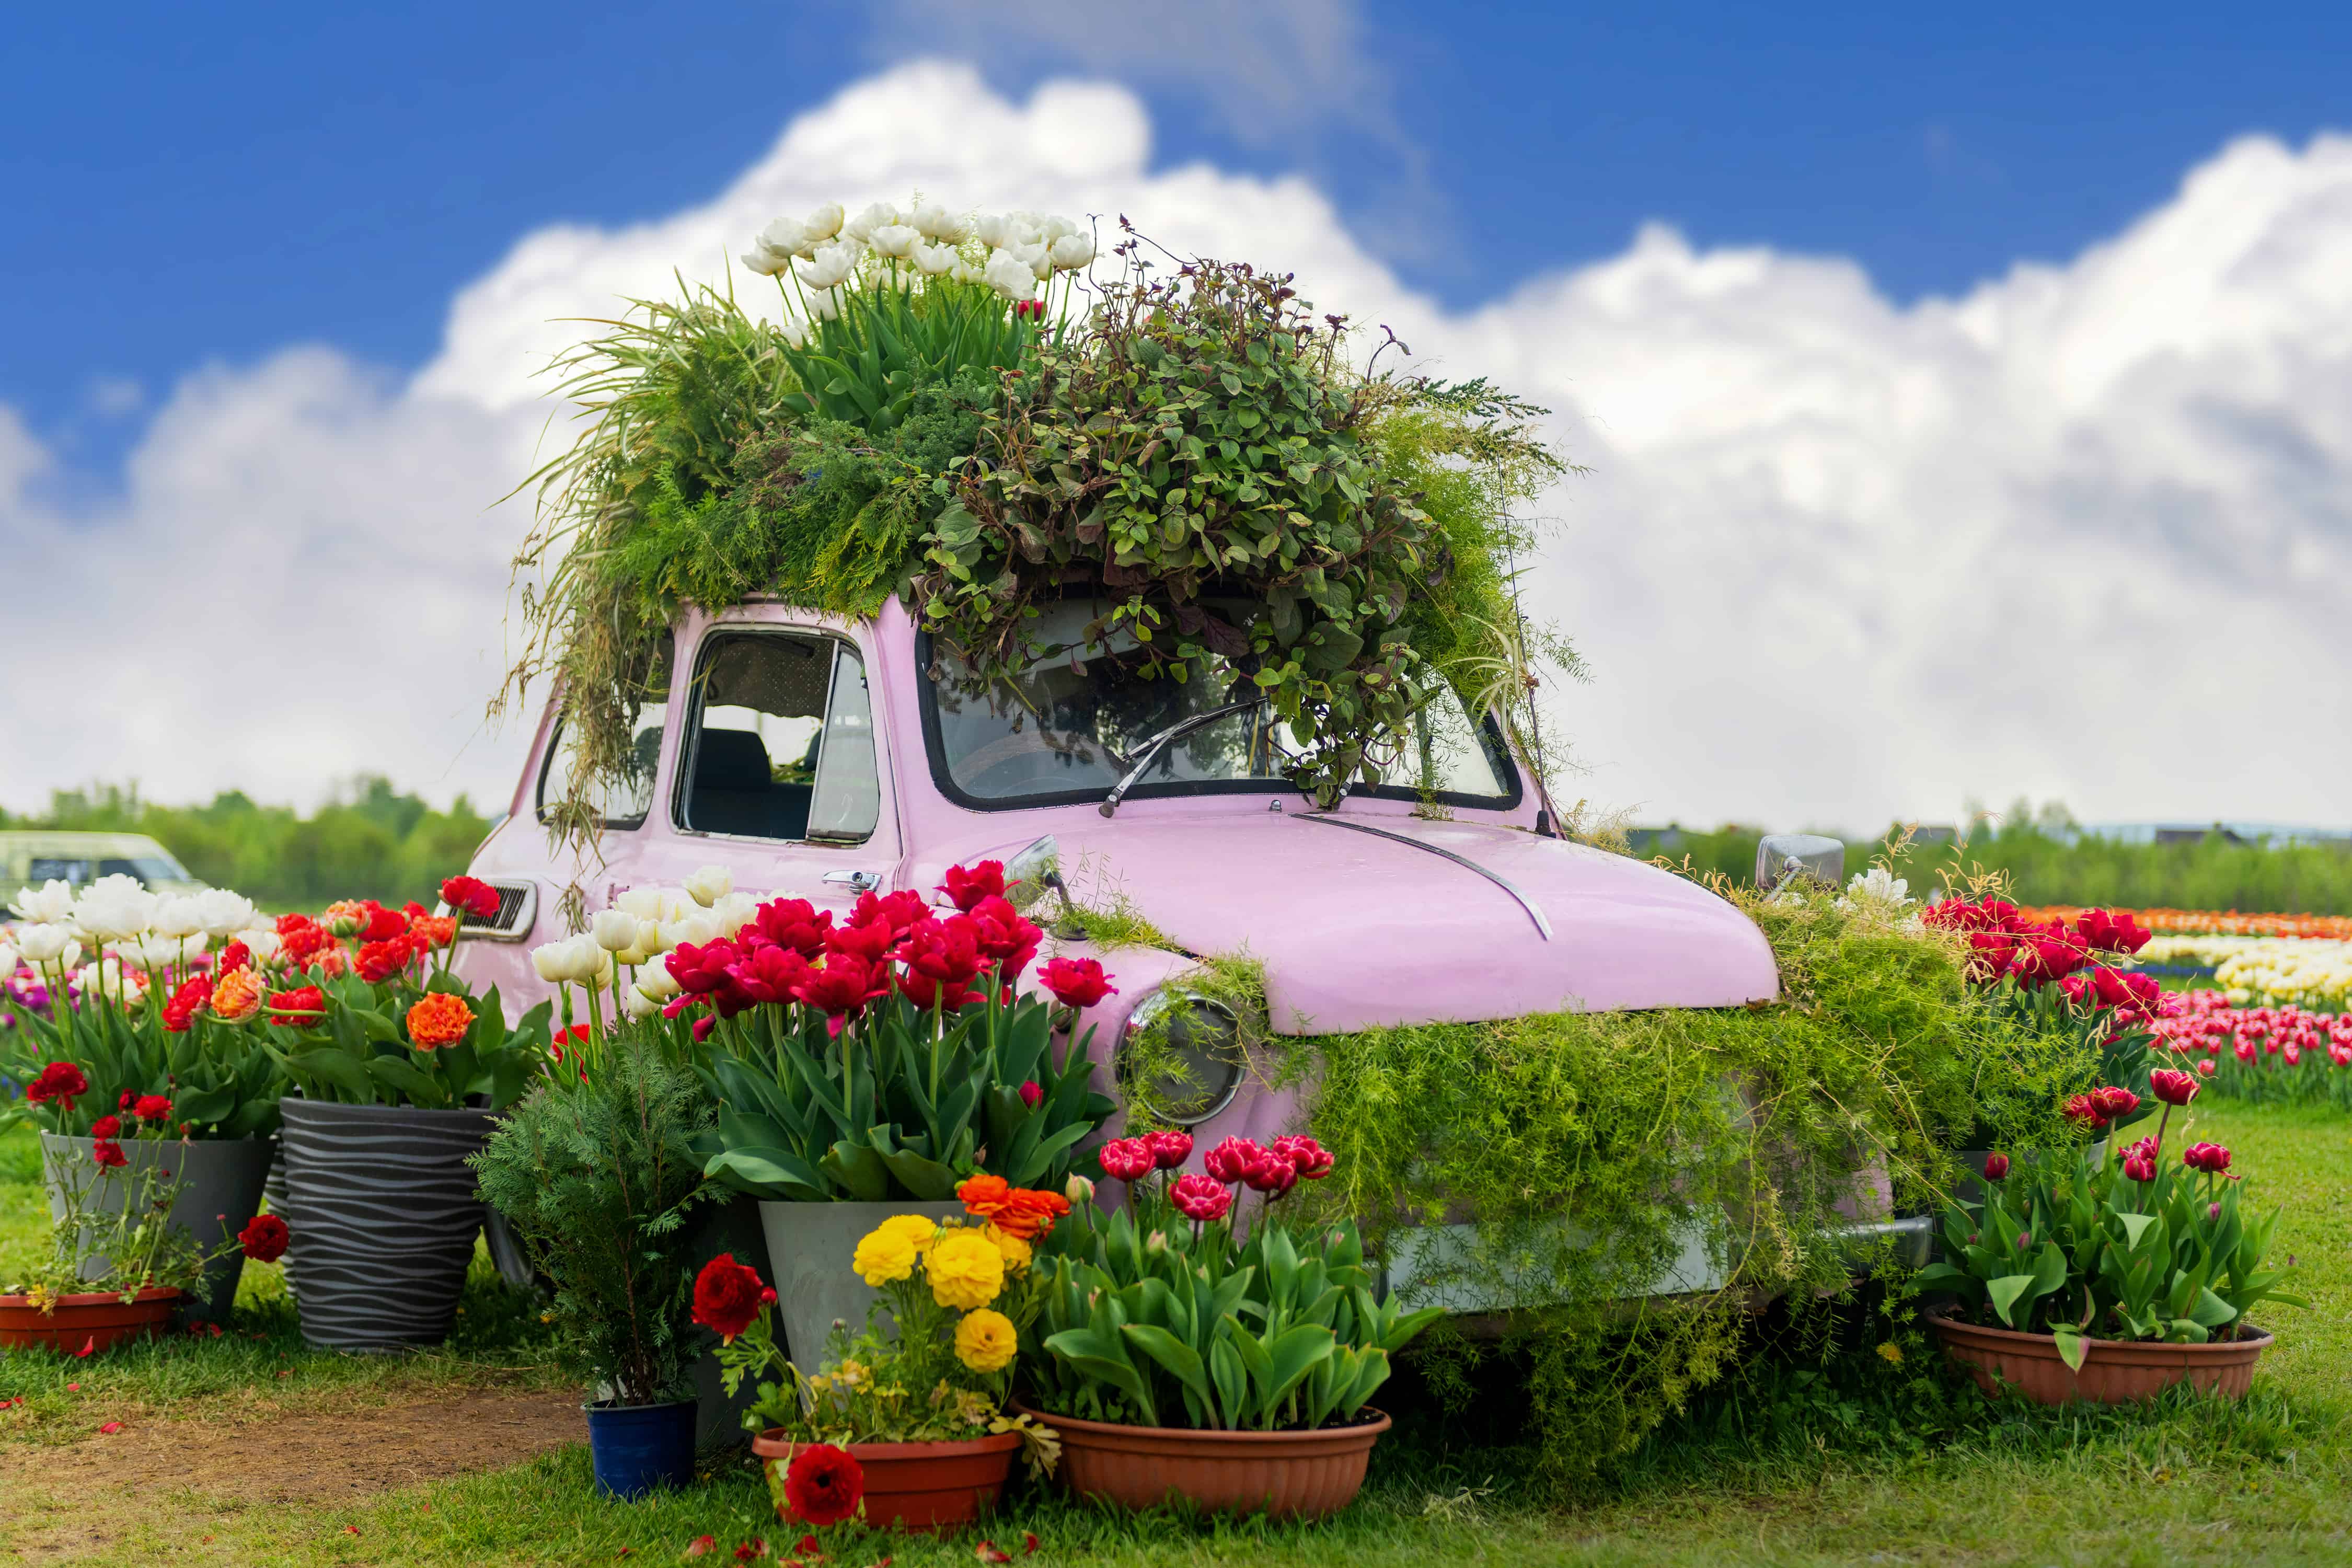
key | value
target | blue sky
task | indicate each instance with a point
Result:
(184, 184)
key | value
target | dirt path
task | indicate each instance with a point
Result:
(63, 1501)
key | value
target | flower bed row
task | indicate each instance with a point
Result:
(2259, 1053)
(2215, 922)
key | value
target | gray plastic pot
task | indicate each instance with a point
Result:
(811, 1246)
(383, 1212)
(730, 1227)
(221, 1191)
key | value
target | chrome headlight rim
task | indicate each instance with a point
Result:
(1233, 1056)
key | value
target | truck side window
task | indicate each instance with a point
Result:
(783, 741)
(623, 800)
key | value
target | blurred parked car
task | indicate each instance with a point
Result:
(28, 858)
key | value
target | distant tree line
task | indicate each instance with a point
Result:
(369, 841)
(2049, 861)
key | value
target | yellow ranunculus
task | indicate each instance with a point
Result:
(884, 1257)
(1015, 1250)
(985, 1340)
(966, 1269)
(918, 1229)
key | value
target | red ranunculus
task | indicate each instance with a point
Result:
(726, 1296)
(59, 1081)
(1075, 981)
(379, 961)
(2210, 1158)
(2171, 1087)
(966, 885)
(896, 910)
(2117, 1103)
(470, 896)
(846, 983)
(109, 1153)
(190, 999)
(1233, 1160)
(795, 923)
(945, 951)
(769, 974)
(1170, 1150)
(2112, 932)
(298, 1009)
(1200, 1197)
(106, 1127)
(1996, 1167)
(823, 1485)
(1006, 937)
(152, 1108)
(264, 1238)
(1311, 1160)
(698, 969)
(869, 943)
(1126, 1159)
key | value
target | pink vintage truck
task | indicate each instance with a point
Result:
(817, 758)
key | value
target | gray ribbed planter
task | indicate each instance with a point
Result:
(811, 1246)
(222, 1190)
(383, 1213)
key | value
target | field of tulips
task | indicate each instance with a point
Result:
(2216, 922)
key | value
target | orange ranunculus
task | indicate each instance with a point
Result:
(1015, 1211)
(236, 995)
(440, 1019)
(432, 930)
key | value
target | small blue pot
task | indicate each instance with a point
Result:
(638, 1447)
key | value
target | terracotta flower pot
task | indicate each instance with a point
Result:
(1287, 1475)
(936, 1487)
(2115, 1372)
(100, 1320)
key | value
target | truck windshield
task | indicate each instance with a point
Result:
(1066, 727)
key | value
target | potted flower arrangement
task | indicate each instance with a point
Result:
(130, 1039)
(865, 1068)
(119, 1265)
(2108, 1277)
(911, 1412)
(595, 1172)
(400, 1072)
(1184, 1357)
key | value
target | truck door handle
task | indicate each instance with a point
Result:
(862, 881)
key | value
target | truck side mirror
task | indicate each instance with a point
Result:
(1036, 869)
(1784, 854)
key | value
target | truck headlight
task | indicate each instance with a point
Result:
(1181, 1057)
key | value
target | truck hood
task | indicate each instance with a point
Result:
(1358, 931)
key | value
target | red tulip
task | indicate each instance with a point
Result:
(1996, 1167)
(1200, 1197)
(2171, 1087)
(1126, 1159)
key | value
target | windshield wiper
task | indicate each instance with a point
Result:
(1151, 749)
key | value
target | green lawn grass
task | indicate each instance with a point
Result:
(1789, 1466)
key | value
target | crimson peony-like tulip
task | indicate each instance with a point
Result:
(1170, 1150)
(1199, 1197)
(2173, 1087)
(1075, 981)
(1126, 1159)
(1996, 1167)
(966, 885)
(1232, 1160)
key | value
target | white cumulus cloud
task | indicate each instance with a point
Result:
(2082, 533)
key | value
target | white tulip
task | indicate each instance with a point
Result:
(557, 963)
(797, 331)
(178, 916)
(824, 223)
(783, 237)
(1071, 252)
(1022, 228)
(615, 931)
(897, 241)
(658, 984)
(935, 259)
(1038, 258)
(824, 305)
(639, 1004)
(45, 945)
(733, 913)
(766, 263)
(939, 223)
(965, 272)
(988, 229)
(1050, 229)
(260, 941)
(1009, 276)
(833, 265)
(651, 903)
(694, 930)
(108, 978)
(709, 884)
(881, 215)
(155, 949)
(115, 909)
(225, 913)
(53, 905)
(8, 960)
